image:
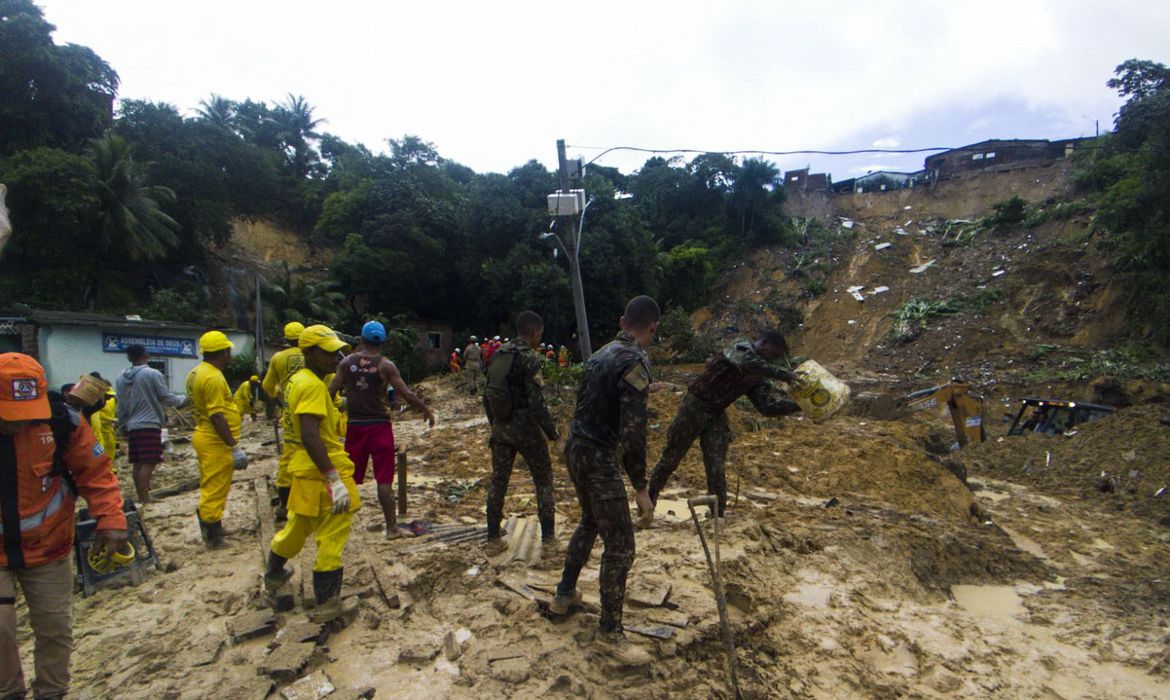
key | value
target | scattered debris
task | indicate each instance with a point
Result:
(252, 625)
(919, 269)
(312, 687)
(657, 632)
(883, 246)
(879, 290)
(998, 273)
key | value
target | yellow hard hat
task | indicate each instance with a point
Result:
(214, 341)
(322, 337)
(293, 330)
(253, 378)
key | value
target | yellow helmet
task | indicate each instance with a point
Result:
(293, 330)
(214, 341)
(253, 378)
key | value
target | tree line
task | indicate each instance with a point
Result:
(130, 194)
(116, 205)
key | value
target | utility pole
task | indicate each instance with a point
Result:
(571, 247)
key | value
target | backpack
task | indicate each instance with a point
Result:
(62, 421)
(504, 392)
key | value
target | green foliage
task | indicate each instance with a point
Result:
(1009, 212)
(131, 222)
(187, 305)
(1070, 366)
(676, 330)
(686, 275)
(813, 287)
(979, 301)
(1128, 178)
(240, 368)
(53, 206)
(53, 96)
(290, 299)
(913, 317)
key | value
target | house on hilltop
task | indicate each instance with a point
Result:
(998, 155)
(800, 181)
(881, 181)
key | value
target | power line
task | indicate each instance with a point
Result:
(859, 151)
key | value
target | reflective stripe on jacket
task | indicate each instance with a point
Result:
(36, 506)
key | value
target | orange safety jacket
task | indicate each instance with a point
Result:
(37, 501)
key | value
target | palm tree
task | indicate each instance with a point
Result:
(131, 220)
(297, 127)
(219, 111)
(750, 193)
(298, 300)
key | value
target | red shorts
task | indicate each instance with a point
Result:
(374, 440)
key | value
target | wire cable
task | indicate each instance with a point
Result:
(809, 151)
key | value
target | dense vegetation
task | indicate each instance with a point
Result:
(1127, 182)
(116, 208)
(117, 204)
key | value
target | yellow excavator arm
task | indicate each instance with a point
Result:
(966, 409)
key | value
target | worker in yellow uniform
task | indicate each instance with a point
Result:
(283, 365)
(342, 408)
(323, 497)
(105, 426)
(247, 398)
(217, 431)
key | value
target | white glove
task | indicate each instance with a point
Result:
(337, 492)
(239, 458)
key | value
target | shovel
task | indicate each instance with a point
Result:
(720, 600)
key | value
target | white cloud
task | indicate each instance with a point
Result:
(494, 84)
(887, 142)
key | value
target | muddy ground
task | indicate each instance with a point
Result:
(856, 566)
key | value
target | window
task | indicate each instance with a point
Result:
(160, 365)
(434, 340)
(977, 156)
(989, 155)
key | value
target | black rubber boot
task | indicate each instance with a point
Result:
(276, 574)
(214, 535)
(327, 591)
(282, 508)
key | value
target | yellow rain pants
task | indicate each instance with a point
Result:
(309, 513)
(215, 474)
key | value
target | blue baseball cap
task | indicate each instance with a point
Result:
(374, 332)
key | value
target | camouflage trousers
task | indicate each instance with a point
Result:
(527, 440)
(601, 492)
(695, 420)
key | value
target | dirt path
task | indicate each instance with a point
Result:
(895, 590)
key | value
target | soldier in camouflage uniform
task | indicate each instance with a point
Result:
(610, 420)
(520, 420)
(742, 369)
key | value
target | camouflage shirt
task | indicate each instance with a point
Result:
(611, 403)
(737, 371)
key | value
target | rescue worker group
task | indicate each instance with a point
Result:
(335, 403)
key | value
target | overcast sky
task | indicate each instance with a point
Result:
(494, 84)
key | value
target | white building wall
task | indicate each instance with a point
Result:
(69, 351)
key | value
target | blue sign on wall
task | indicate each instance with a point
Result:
(155, 345)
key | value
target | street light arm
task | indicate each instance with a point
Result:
(581, 225)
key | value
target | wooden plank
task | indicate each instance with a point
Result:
(516, 587)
